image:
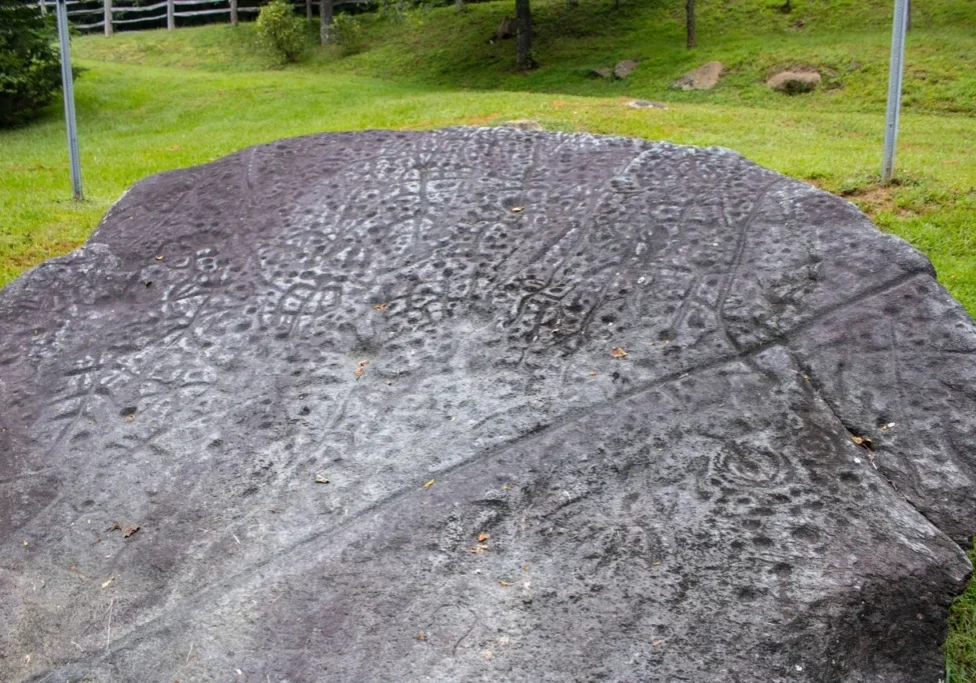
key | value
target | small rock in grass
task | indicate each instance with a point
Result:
(624, 68)
(523, 124)
(704, 77)
(794, 82)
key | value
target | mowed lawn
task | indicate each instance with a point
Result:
(155, 101)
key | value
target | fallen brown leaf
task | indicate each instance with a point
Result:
(482, 537)
(478, 549)
(504, 583)
(379, 307)
(421, 636)
(518, 209)
(428, 484)
(129, 531)
(617, 352)
(319, 479)
(360, 368)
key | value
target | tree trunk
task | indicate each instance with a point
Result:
(690, 11)
(908, 16)
(308, 10)
(523, 20)
(325, 18)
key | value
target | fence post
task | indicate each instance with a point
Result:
(43, 7)
(170, 15)
(308, 10)
(67, 89)
(895, 75)
(233, 12)
(108, 18)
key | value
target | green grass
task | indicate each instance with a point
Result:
(156, 100)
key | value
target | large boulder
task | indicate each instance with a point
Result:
(482, 405)
(704, 77)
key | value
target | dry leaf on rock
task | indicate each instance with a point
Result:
(617, 352)
(129, 531)
(360, 368)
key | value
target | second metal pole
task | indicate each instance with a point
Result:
(67, 87)
(895, 72)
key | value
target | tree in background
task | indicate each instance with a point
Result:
(690, 16)
(326, 8)
(30, 68)
(523, 37)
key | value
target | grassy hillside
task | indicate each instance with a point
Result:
(848, 41)
(158, 100)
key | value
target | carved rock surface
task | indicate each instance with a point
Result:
(508, 499)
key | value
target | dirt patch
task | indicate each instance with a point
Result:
(873, 200)
(481, 120)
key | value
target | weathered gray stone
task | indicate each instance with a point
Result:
(602, 72)
(704, 77)
(507, 28)
(585, 407)
(623, 69)
(793, 82)
(523, 124)
(646, 104)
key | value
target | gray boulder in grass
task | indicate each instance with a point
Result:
(704, 77)
(483, 405)
(794, 82)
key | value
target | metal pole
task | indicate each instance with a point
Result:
(895, 74)
(108, 17)
(67, 87)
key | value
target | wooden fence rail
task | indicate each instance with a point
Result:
(126, 12)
